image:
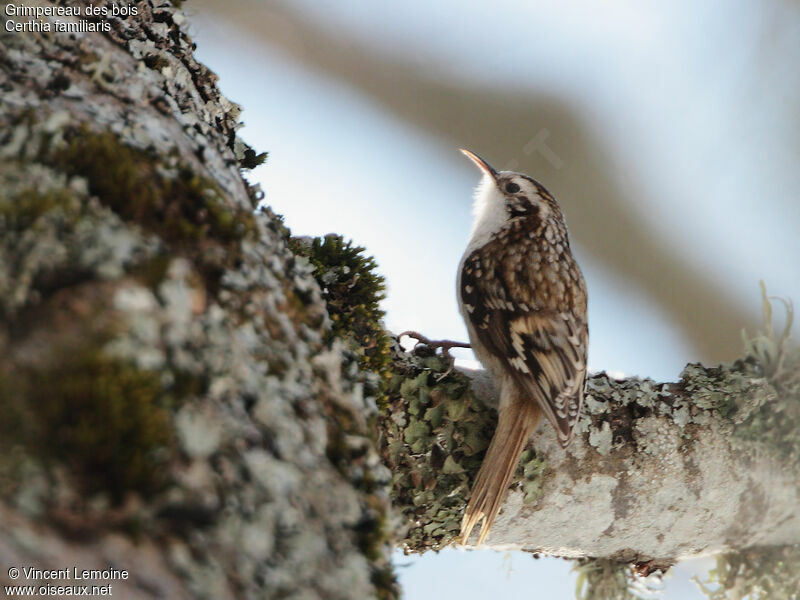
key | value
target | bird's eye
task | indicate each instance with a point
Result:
(512, 188)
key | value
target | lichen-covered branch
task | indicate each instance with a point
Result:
(659, 471)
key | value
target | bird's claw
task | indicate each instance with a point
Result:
(443, 345)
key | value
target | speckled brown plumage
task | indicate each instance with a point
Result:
(526, 299)
(523, 299)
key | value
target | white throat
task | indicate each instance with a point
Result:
(488, 211)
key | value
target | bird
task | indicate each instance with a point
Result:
(523, 299)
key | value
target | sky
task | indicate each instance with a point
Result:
(338, 162)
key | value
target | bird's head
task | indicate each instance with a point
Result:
(506, 197)
(517, 194)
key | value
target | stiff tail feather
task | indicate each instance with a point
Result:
(517, 422)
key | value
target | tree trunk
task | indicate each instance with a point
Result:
(173, 404)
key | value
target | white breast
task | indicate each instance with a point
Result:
(489, 213)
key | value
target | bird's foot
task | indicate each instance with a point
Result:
(443, 345)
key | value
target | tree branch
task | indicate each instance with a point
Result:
(658, 471)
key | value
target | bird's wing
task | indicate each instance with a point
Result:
(544, 348)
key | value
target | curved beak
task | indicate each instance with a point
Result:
(479, 162)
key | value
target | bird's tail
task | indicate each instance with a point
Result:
(517, 422)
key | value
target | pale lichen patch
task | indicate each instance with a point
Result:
(601, 438)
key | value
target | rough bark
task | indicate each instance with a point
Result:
(659, 471)
(173, 404)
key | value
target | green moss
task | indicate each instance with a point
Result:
(187, 211)
(249, 158)
(21, 212)
(352, 289)
(105, 419)
(756, 574)
(183, 208)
